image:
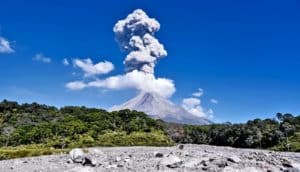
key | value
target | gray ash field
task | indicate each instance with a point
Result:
(177, 158)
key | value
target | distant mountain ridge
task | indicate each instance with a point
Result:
(159, 107)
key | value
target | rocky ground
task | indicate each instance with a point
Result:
(177, 158)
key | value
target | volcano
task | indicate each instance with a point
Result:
(159, 107)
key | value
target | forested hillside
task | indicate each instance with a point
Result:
(76, 126)
(280, 133)
(44, 126)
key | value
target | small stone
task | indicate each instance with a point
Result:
(118, 159)
(211, 159)
(158, 154)
(120, 165)
(172, 161)
(112, 166)
(234, 159)
(222, 164)
(204, 168)
(89, 161)
(126, 159)
(69, 161)
(181, 147)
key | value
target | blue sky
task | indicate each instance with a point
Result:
(245, 54)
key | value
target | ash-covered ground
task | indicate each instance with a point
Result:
(178, 158)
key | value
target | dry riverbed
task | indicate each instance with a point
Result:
(177, 158)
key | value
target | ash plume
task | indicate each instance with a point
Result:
(135, 35)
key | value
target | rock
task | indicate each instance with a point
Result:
(89, 161)
(211, 159)
(180, 147)
(118, 159)
(193, 163)
(234, 159)
(126, 159)
(112, 166)
(96, 152)
(69, 161)
(204, 168)
(286, 163)
(120, 165)
(158, 154)
(222, 164)
(172, 161)
(77, 155)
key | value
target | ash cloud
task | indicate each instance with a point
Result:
(135, 35)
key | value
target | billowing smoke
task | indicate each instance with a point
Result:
(135, 34)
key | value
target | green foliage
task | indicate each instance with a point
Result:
(68, 127)
(292, 143)
(28, 151)
(256, 133)
(155, 138)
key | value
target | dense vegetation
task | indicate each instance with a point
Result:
(282, 133)
(34, 129)
(68, 127)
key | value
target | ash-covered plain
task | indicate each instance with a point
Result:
(177, 158)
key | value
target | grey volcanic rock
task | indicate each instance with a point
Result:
(140, 159)
(77, 155)
(160, 108)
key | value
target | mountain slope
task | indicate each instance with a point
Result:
(160, 108)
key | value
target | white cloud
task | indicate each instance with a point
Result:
(135, 79)
(199, 93)
(214, 101)
(40, 57)
(65, 62)
(90, 69)
(210, 113)
(5, 46)
(193, 105)
(76, 85)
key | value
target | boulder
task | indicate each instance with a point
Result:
(77, 155)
